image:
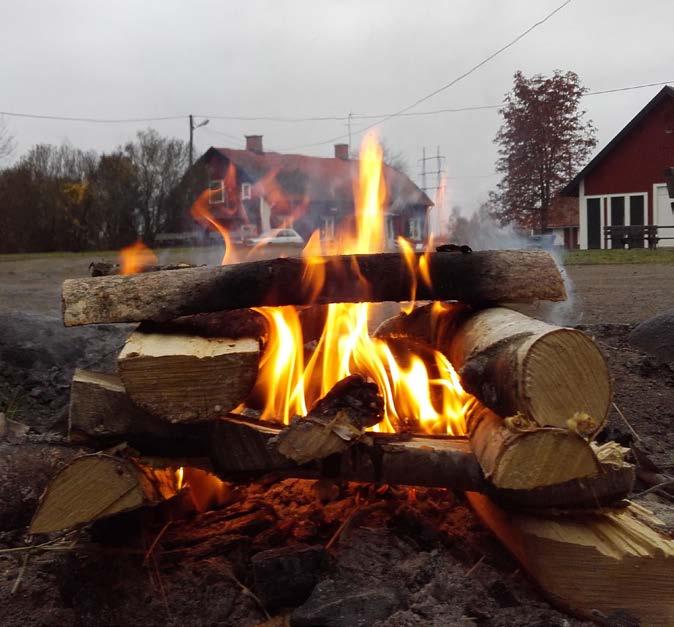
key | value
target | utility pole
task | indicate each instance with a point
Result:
(424, 171)
(349, 124)
(192, 127)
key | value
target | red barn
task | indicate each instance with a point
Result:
(626, 183)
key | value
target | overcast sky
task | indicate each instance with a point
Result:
(128, 59)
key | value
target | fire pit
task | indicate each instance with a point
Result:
(281, 366)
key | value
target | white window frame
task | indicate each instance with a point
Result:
(246, 191)
(415, 227)
(216, 195)
(328, 228)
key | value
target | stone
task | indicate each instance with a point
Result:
(285, 577)
(340, 604)
(656, 336)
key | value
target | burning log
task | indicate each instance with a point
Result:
(552, 376)
(240, 448)
(597, 565)
(481, 277)
(100, 485)
(184, 378)
(334, 423)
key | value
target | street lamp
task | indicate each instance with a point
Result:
(192, 127)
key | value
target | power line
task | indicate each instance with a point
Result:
(67, 118)
(452, 82)
(337, 118)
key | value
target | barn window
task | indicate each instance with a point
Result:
(246, 191)
(637, 210)
(216, 193)
(416, 228)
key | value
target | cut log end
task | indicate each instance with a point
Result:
(186, 378)
(564, 375)
(97, 486)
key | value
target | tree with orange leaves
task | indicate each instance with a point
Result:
(543, 142)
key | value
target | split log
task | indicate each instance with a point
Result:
(527, 457)
(184, 378)
(26, 469)
(599, 566)
(554, 376)
(334, 423)
(97, 486)
(481, 277)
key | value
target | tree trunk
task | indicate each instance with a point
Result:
(480, 277)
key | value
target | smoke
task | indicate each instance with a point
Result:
(482, 232)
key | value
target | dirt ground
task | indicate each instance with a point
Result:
(407, 558)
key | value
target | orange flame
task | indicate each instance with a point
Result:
(421, 389)
(133, 258)
(201, 213)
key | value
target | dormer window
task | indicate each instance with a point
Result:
(246, 191)
(216, 194)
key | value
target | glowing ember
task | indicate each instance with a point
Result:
(135, 257)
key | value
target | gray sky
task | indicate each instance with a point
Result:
(300, 58)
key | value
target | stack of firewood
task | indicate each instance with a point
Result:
(541, 394)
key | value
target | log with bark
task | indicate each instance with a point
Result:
(91, 487)
(184, 378)
(553, 376)
(613, 566)
(481, 277)
(241, 448)
(106, 268)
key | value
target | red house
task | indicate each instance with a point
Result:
(253, 191)
(626, 183)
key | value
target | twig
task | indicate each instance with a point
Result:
(32, 547)
(154, 542)
(345, 522)
(656, 487)
(474, 567)
(629, 426)
(246, 590)
(22, 570)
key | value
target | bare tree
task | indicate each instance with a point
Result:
(159, 163)
(393, 158)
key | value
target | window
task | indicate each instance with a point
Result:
(216, 194)
(637, 210)
(328, 229)
(246, 191)
(416, 228)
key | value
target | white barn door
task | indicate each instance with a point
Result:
(664, 215)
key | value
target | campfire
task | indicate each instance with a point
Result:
(286, 366)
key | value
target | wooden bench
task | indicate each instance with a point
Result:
(632, 236)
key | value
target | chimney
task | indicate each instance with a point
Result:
(342, 151)
(254, 143)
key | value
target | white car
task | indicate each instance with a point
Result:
(278, 236)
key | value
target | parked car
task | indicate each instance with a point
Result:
(278, 236)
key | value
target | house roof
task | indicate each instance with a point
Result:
(571, 188)
(320, 178)
(563, 212)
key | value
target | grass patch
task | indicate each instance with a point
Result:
(111, 255)
(630, 256)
